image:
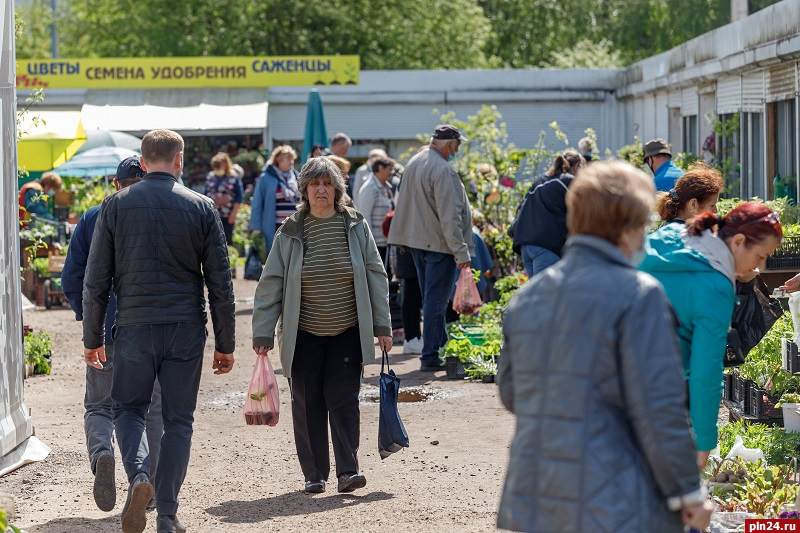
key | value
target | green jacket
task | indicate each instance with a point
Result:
(698, 277)
(277, 299)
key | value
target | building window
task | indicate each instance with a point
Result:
(785, 139)
(690, 135)
(753, 182)
(728, 153)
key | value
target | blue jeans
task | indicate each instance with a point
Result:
(535, 258)
(436, 273)
(172, 353)
(98, 420)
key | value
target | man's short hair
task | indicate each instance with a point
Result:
(607, 198)
(341, 138)
(161, 146)
(585, 145)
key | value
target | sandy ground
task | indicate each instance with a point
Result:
(244, 479)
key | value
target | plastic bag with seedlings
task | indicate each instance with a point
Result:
(467, 299)
(262, 405)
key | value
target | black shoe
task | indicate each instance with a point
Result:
(170, 524)
(315, 487)
(105, 489)
(134, 514)
(151, 505)
(431, 368)
(351, 481)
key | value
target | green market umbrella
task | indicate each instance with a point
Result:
(315, 124)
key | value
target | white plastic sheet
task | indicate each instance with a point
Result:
(794, 309)
(30, 451)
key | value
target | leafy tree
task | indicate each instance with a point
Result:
(586, 54)
(401, 35)
(412, 34)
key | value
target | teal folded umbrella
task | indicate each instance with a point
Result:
(315, 124)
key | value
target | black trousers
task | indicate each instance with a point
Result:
(326, 379)
(228, 229)
(412, 308)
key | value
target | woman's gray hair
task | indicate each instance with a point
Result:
(320, 168)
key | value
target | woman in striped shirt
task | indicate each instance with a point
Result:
(324, 287)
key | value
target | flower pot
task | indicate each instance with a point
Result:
(64, 197)
(791, 417)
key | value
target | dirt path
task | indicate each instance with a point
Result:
(247, 479)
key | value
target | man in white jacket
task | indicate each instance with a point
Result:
(432, 218)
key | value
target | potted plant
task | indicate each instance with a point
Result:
(790, 403)
(38, 348)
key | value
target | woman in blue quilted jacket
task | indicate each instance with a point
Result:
(602, 440)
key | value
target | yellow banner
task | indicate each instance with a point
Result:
(181, 72)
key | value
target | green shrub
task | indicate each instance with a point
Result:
(38, 348)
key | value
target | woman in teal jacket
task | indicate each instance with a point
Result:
(698, 269)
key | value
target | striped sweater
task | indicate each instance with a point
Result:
(327, 293)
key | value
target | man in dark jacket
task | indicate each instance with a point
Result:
(97, 421)
(159, 242)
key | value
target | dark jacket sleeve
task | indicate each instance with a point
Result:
(654, 392)
(75, 267)
(99, 274)
(217, 274)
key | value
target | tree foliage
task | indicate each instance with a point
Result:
(395, 34)
(401, 35)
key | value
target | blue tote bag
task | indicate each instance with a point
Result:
(392, 436)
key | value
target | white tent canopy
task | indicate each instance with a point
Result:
(50, 124)
(205, 118)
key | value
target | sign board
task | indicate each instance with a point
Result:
(184, 72)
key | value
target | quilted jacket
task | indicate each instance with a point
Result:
(591, 368)
(159, 242)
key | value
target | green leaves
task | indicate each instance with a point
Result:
(412, 34)
(777, 445)
(38, 347)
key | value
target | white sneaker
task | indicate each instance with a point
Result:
(412, 346)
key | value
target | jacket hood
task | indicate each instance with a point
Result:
(672, 249)
(293, 225)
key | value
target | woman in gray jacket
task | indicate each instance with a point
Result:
(602, 442)
(325, 289)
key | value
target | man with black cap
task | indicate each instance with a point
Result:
(432, 217)
(97, 420)
(658, 157)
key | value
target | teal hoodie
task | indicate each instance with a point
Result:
(698, 276)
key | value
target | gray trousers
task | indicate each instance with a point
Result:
(98, 420)
(173, 355)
